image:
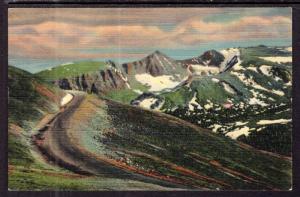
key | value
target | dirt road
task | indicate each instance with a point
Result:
(60, 142)
(56, 145)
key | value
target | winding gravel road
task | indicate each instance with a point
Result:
(55, 144)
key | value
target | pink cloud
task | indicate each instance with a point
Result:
(243, 29)
(59, 39)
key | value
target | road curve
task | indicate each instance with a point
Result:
(58, 143)
(54, 144)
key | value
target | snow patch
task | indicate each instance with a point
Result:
(215, 80)
(289, 49)
(158, 59)
(271, 99)
(123, 78)
(66, 99)
(288, 83)
(261, 128)
(199, 69)
(208, 105)
(278, 121)
(146, 103)
(266, 70)
(157, 83)
(252, 68)
(228, 88)
(173, 109)
(67, 63)
(278, 59)
(255, 101)
(240, 123)
(278, 92)
(215, 127)
(238, 132)
(193, 102)
(137, 91)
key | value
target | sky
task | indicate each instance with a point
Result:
(41, 38)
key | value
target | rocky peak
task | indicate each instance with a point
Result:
(208, 58)
(155, 64)
(98, 82)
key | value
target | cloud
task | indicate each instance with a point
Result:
(247, 28)
(107, 16)
(60, 39)
(68, 33)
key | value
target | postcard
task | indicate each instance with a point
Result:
(150, 98)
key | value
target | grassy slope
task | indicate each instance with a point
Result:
(28, 101)
(74, 69)
(26, 107)
(250, 55)
(164, 147)
(123, 96)
(263, 51)
(33, 179)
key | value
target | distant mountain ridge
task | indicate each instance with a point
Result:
(156, 69)
(208, 58)
(93, 77)
(156, 64)
(98, 82)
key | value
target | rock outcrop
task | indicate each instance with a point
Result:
(155, 64)
(208, 58)
(96, 82)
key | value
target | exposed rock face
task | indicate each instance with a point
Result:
(230, 63)
(64, 84)
(209, 58)
(212, 62)
(155, 64)
(97, 82)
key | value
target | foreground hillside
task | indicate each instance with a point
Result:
(156, 149)
(31, 102)
(34, 103)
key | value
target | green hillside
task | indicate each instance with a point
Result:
(262, 51)
(72, 69)
(29, 98)
(167, 147)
